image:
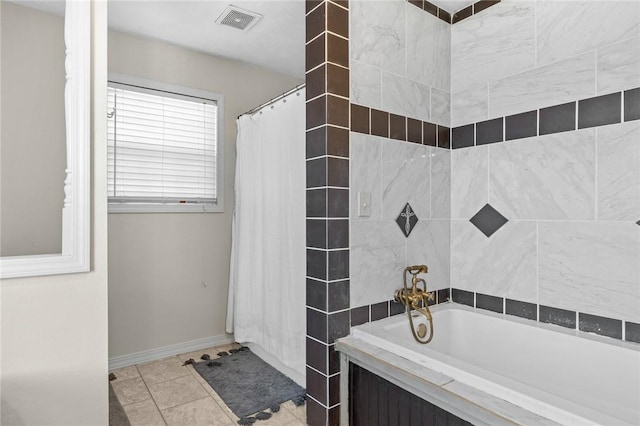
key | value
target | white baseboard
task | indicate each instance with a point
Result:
(171, 350)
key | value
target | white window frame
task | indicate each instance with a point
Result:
(218, 207)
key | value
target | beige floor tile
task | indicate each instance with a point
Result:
(144, 413)
(163, 370)
(125, 373)
(203, 412)
(131, 391)
(219, 400)
(296, 422)
(281, 418)
(177, 391)
(300, 412)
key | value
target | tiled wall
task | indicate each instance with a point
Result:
(400, 104)
(548, 135)
(519, 56)
(525, 215)
(400, 60)
(327, 147)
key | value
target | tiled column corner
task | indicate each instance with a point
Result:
(327, 165)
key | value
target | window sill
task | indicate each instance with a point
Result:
(165, 208)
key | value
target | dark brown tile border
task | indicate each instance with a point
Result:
(429, 134)
(315, 23)
(457, 16)
(328, 116)
(591, 112)
(414, 130)
(337, 80)
(371, 121)
(462, 14)
(397, 127)
(337, 20)
(379, 123)
(367, 313)
(360, 119)
(603, 326)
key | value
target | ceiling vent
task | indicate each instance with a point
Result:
(236, 17)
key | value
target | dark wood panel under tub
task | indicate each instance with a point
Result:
(373, 401)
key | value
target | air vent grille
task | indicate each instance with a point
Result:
(238, 18)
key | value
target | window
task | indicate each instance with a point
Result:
(163, 150)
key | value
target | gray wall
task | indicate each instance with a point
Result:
(33, 131)
(157, 262)
(53, 329)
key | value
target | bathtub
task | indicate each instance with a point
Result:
(520, 371)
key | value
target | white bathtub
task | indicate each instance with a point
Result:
(566, 376)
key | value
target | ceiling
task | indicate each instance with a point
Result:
(276, 42)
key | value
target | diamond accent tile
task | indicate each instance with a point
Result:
(638, 222)
(488, 220)
(407, 220)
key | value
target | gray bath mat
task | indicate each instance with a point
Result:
(249, 385)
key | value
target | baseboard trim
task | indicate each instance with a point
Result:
(171, 350)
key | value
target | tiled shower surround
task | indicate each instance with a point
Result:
(545, 134)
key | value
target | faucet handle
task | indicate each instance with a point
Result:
(418, 269)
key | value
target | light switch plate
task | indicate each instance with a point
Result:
(364, 204)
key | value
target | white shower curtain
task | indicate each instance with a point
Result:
(268, 261)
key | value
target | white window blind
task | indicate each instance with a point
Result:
(161, 147)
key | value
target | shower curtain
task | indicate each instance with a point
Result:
(266, 302)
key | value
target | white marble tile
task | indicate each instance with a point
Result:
(567, 28)
(469, 181)
(440, 183)
(376, 260)
(591, 267)
(428, 48)
(428, 245)
(619, 171)
(440, 107)
(365, 173)
(493, 44)
(546, 177)
(557, 83)
(405, 97)
(502, 265)
(366, 84)
(405, 178)
(470, 105)
(507, 410)
(377, 34)
(619, 66)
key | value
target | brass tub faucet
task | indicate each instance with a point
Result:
(416, 298)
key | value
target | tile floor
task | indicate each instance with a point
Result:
(165, 392)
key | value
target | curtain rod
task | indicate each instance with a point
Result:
(274, 100)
